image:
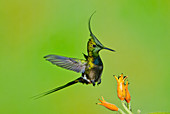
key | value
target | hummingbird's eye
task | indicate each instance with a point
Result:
(94, 45)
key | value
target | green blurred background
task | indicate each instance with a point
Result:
(139, 31)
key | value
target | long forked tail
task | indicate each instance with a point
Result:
(56, 89)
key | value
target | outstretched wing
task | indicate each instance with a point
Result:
(77, 65)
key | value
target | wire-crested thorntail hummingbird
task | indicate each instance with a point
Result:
(91, 68)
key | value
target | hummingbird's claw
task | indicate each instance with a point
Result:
(99, 82)
(93, 82)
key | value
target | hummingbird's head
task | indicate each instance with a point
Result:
(94, 45)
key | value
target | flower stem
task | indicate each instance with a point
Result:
(120, 111)
(124, 106)
(129, 106)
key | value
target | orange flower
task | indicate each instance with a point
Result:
(127, 97)
(108, 105)
(121, 87)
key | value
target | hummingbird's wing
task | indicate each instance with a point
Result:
(77, 65)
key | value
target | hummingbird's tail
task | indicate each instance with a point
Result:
(56, 89)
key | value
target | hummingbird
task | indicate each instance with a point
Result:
(90, 68)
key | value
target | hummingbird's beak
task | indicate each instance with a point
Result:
(109, 49)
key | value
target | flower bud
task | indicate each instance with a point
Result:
(121, 87)
(108, 105)
(127, 97)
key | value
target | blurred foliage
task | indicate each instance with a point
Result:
(139, 31)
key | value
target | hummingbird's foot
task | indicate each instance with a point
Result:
(93, 83)
(99, 82)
